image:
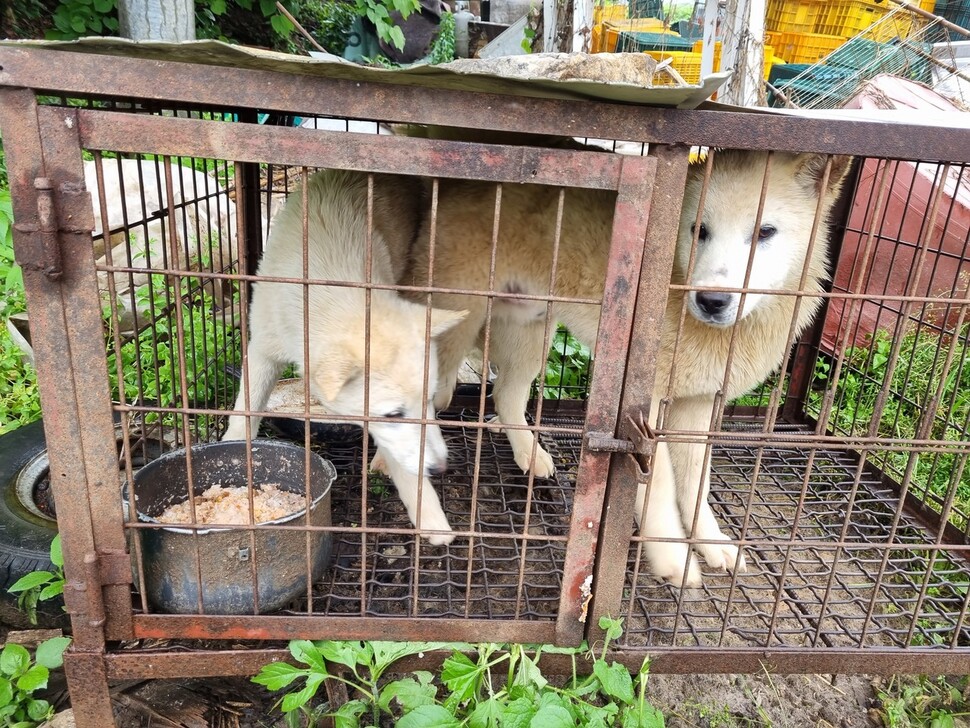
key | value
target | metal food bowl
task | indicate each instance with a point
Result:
(225, 555)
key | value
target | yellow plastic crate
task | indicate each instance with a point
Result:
(769, 55)
(613, 28)
(793, 17)
(773, 37)
(686, 63)
(603, 13)
(807, 47)
(848, 18)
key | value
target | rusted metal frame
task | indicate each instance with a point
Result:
(80, 437)
(87, 678)
(630, 220)
(348, 150)
(78, 343)
(184, 83)
(638, 386)
(251, 627)
(250, 236)
(808, 347)
(135, 664)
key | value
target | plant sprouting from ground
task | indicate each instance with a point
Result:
(471, 694)
(39, 586)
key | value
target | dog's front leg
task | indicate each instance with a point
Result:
(263, 371)
(420, 500)
(516, 351)
(657, 517)
(692, 470)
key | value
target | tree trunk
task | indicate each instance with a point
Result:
(171, 20)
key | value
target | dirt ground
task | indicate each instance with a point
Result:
(688, 701)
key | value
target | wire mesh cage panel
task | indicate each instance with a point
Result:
(764, 461)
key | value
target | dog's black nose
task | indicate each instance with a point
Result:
(437, 469)
(713, 303)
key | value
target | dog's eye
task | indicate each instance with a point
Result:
(765, 232)
(395, 414)
(701, 234)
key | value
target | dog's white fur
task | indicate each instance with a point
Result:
(523, 264)
(338, 336)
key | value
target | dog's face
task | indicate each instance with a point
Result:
(735, 249)
(397, 386)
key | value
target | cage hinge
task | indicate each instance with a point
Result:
(114, 567)
(73, 214)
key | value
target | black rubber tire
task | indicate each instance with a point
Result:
(25, 538)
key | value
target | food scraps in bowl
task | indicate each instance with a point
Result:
(229, 505)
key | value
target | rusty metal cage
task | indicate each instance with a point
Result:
(840, 481)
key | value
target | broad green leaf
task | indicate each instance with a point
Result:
(57, 555)
(409, 692)
(942, 720)
(613, 627)
(277, 675)
(343, 653)
(50, 653)
(552, 716)
(306, 652)
(649, 718)
(51, 590)
(14, 660)
(282, 25)
(31, 581)
(6, 692)
(218, 7)
(387, 653)
(104, 6)
(518, 713)
(428, 716)
(529, 674)
(348, 714)
(77, 25)
(39, 710)
(292, 701)
(487, 714)
(396, 36)
(615, 680)
(461, 676)
(34, 679)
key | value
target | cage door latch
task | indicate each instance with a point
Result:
(642, 442)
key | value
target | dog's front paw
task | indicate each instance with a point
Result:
(437, 522)
(379, 464)
(667, 561)
(723, 556)
(542, 466)
(236, 430)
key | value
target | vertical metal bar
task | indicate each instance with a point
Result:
(641, 369)
(247, 204)
(808, 345)
(77, 423)
(632, 212)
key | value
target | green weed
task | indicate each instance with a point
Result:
(22, 675)
(471, 692)
(923, 702)
(39, 586)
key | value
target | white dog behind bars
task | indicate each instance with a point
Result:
(337, 328)
(523, 265)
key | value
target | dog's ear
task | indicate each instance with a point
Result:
(810, 169)
(442, 319)
(332, 373)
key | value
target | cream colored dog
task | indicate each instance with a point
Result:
(760, 323)
(340, 344)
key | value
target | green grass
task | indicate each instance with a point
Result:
(922, 398)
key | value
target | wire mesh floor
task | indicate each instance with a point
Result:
(826, 566)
